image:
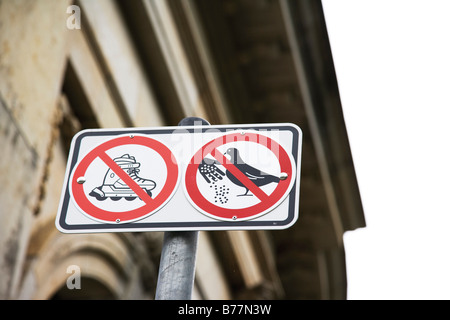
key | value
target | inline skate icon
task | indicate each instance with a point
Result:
(115, 188)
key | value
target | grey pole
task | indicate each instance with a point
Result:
(178, 255)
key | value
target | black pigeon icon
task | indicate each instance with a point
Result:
(257, 176)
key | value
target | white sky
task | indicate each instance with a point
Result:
(392, 59)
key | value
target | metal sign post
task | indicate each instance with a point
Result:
(177, 266)
(178, 255)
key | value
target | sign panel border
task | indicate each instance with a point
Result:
(73, 159)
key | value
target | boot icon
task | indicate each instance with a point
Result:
(115, 188)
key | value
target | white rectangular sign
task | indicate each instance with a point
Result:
(221, 177)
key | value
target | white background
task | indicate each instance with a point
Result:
(392, 59)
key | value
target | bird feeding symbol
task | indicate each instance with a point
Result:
(241, 176)
(212, 174)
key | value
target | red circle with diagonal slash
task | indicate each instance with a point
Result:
(151, 204)
(267, 202)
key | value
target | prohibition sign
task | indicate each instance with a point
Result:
(151, 205)
(266, 203)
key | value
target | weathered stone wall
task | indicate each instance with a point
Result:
(32, 59)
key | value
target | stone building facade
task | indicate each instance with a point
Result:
(67, 66)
